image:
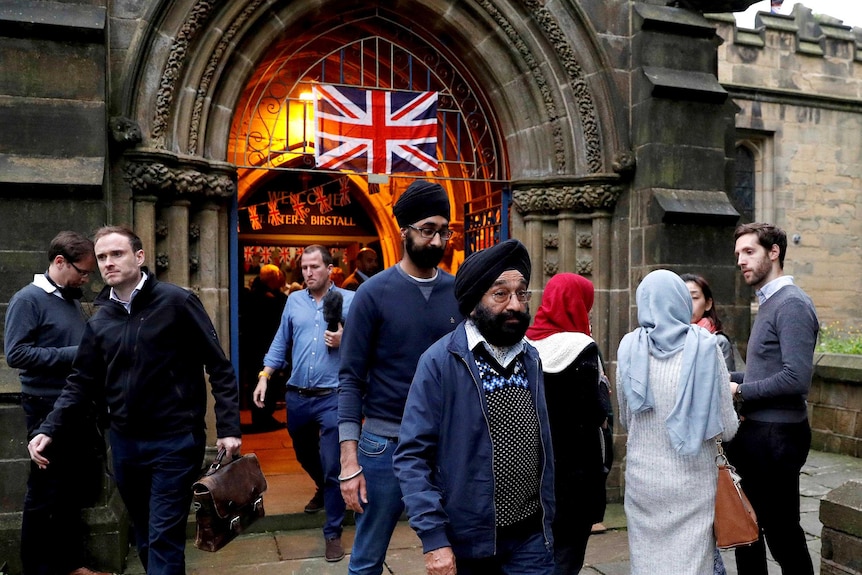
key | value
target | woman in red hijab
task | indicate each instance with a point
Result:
(570, 360)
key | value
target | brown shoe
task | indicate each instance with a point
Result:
(334, 550)
(316, 503)
(86, 571)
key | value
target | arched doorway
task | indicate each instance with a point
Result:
(284, 203)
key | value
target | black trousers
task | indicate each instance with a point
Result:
(769, 457)
(57, 494)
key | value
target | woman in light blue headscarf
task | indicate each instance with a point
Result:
(674, 399)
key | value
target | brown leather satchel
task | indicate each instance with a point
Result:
(735, 522)
(227, 499)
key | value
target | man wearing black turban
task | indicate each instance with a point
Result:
(395, 315)
(474, 456)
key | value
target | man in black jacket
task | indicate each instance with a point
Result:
(143, 354)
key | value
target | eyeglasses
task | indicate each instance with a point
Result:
(503, 296)
(429, 233)
(82, 273)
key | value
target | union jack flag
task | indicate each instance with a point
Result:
(375, 131)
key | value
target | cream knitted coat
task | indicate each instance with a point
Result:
(670, 498)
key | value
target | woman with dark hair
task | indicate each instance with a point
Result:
(704, 315)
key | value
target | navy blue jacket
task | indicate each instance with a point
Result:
(444, 459)
(147, 366)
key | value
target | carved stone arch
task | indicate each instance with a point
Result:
(527, 58)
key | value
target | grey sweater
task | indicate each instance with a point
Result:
(780, 359)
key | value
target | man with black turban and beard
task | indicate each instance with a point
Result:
(394, 317)
(474, 457)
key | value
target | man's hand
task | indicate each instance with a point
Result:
(332, 339)
(230, 444)
(353, 491)
(260, 392)
(440, 562)
(37, 447)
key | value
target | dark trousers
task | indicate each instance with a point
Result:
(517, 554)
(769, 457)
(57, 494)
(155, 478)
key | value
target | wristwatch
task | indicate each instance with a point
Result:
(738, 395)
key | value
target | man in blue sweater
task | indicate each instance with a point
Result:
(393, 319)
(772, 443)
(44, 323)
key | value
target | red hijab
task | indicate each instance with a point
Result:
(566, 305)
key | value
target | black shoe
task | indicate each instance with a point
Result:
(316, 503)
(334, 551)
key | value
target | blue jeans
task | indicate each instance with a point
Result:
(320, 413)
(375, 525)
(524, 554)
(155, 477)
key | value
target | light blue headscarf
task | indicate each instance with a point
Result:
(664, 315)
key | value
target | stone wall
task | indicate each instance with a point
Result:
(835, 404)
(798, 84)
(841, 516)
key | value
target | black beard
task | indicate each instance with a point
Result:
(425, 257)
(496, 330)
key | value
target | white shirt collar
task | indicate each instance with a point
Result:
(40, 281)
(768, 290)
(128, 304)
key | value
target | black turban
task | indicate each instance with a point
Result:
(481, 269)
(419, 201)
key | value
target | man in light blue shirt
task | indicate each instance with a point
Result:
(312, 401)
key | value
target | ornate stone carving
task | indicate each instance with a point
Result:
(194, 263)
(585, 266)
(212, 65)
(163, 261)
(198, 15)
(538, 77)
(194, 231)
(551, 268)
(579, 198)
(585, 240)
(583, 96)
(161, 229)
(125, 131)
(624, 163)
(552, 240)
(156, 178)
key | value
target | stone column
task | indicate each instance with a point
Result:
(177, 242)
(207, 219)
(145, 227)
(534, 243)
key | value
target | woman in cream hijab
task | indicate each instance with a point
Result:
(674, 399)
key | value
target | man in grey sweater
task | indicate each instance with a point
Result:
(774, 437)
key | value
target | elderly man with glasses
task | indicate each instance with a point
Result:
(474, 457)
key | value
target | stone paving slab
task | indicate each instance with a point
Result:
(300, 551)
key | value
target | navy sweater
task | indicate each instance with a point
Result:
(389, 326)
(780, 358)
(42, 335)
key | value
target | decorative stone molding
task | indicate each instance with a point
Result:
(125, 132)
(163, 261)
(583, 198)
(194, 263)
(194, 232)
(150, 176)
(552, 240)
(538, 75)
(161, 230)
(580, 88)
(585, 240)
(624, 163)
(198, 16)
(551, 267)
(213, 64)
(585, 266)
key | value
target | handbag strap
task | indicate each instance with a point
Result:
(721, 458)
